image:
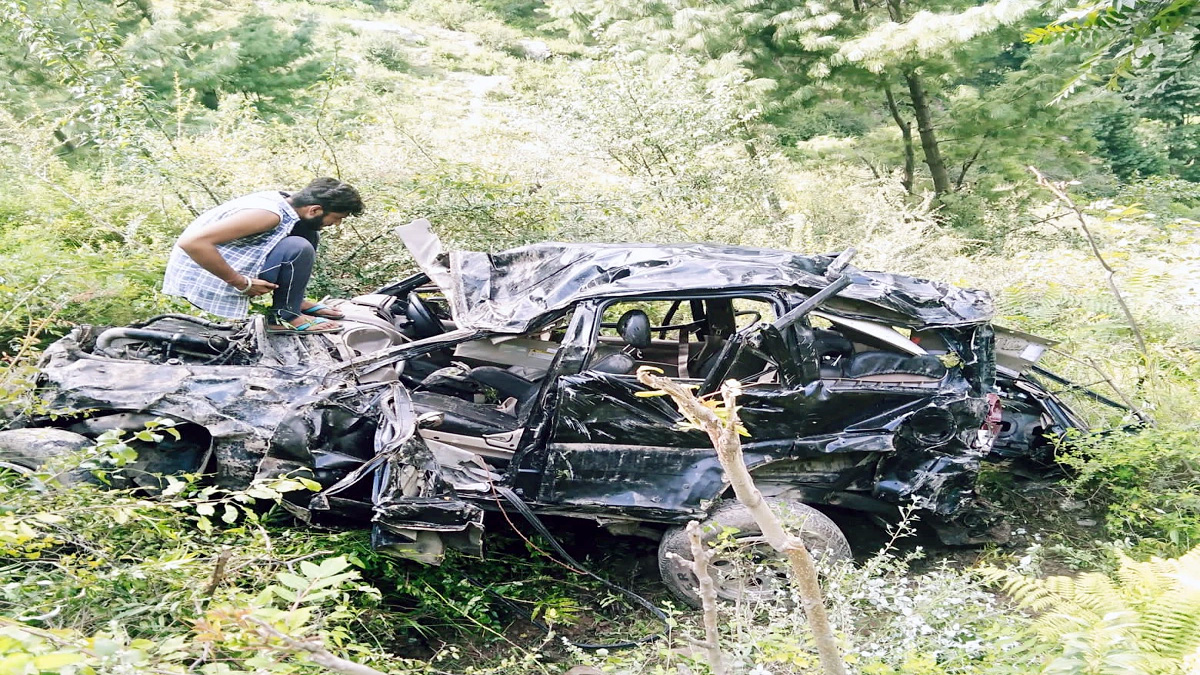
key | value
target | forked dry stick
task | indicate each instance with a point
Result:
(708, 599)
(1062, 196)
(723, 433)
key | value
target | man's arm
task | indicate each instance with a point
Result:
(202, 246)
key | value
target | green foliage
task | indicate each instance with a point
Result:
(1144, 619)
(213, 583)
(697, 169)
(707, 122)
(1146, 483)
(1124, 36)
(1172, 201)
(528, 15)
(793, 60)
(238, 50)
(125, 60)
(1126, 153)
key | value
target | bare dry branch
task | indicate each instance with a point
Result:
(708, 599)
(315, 650)
(1062, 196)
(723, 433)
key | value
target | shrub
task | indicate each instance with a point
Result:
(1143, 619)
(1145, 482)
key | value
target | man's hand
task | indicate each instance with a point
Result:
(256, 288)
(202, 246)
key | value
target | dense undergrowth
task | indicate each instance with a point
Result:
(436, 110)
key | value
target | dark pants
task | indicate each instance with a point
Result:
(289, 265)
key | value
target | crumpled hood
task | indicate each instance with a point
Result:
(507, 291)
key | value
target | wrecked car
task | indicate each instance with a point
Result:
(493, 381)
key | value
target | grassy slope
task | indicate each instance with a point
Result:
(459, 130)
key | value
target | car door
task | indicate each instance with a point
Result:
(611, 448)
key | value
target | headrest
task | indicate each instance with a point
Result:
(634, 328)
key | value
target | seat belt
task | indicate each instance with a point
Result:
(683, 354)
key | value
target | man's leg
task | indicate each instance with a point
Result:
(289, 265)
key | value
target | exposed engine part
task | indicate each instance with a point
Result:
(213, 345)
(184, 317)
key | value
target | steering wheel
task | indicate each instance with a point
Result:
(423, 320)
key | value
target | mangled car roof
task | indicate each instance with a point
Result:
(509, 290)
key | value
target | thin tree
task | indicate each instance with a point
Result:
(719, 419)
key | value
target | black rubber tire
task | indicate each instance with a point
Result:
(27, 450)
(822, 537)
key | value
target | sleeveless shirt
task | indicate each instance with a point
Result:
(205, 290)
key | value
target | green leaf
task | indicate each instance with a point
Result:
(16, 664)
(292, 581)
(231, 514)
(56, 660)
(332, 566)
(205, 509)
(262, 492)
(288, 485)
(286, 594)
(310, 484)
(174, 487)
(103, 646)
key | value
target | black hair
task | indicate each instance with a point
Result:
(330, 194)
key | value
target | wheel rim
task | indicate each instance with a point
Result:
(753, 570)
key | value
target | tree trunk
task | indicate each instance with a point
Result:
(929, 143)
(920, 104)
(906, 136)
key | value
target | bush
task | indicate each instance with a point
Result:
(1145, 482)
(389, 51)
(1143, 619)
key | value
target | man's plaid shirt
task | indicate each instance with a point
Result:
(187, 279)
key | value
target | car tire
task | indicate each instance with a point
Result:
(749, 570)
(24, 451)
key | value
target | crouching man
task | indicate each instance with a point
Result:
(261, 243)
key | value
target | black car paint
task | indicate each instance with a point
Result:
(591, 447)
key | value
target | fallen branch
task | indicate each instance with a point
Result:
(218, 574)
(708, 599)
(315, 650)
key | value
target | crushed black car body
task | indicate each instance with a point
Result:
(863, 391)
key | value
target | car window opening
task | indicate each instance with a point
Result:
(877, 353)
(684, 338)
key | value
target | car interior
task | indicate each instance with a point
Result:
(486, 388)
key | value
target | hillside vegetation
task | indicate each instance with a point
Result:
(905, 129)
